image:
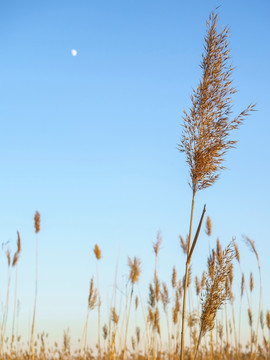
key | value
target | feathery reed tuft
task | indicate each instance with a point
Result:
(156, 245)
(136, 302)
(115, 317)
(134, 269)
(92, 298)
(216, 292)
(250, 317)
(105, 331)
(203, 280)
(268, 319)
(184, 244)
(37, 222)
(164, 294)
(251, 282)
(8, 255)
(17, 253)
(237, 254)
(251, 245)
(174, 280)
(208, 229)
(242, 284)
(207, 126)
(197, 285)
(97, 252)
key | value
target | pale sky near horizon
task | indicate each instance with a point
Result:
(90, 141)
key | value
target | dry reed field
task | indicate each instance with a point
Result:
(192, 317)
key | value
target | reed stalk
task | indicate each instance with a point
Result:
(37, 229)
(251, 245)
(97, 253)
(15, 264)
(216, 292)
(92, 302)
(133, 278)
(5, 313)
(208, 124)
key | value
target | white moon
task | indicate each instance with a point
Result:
(74, 52)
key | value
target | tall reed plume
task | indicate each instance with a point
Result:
(208, 125)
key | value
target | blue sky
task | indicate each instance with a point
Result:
(91, 142)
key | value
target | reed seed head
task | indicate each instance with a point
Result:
(203, 279)
(105, 331)
(152, 298)
(97, 252)
(115, 317)
(37, 222)
(150, 316)
(184, 244)
(237, 254)
(15, 259)
(134, 269)
(268, 319)
(250, 317)
(17, 253)
(242, 284)
(251, 282)
(164, 296)
(18, 242)
(156, 324)
(219, 250)
(253, 337)
(227, 285)
(216, 292)
(138, 334)
(93, 295)
(197, 285)
(261, 320)
(176, 309)
(157, 289)
(251, 245)
(207, 127)
(156, 245)
(180, 288)
(220, 331)
(8, 254)
(208, 229)
(212, 264)
(191, 320)
(174, 280)
(136, 302)
(231, 274)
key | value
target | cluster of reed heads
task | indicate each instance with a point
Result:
(169, 327)
(213, 328)
(214, 324)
